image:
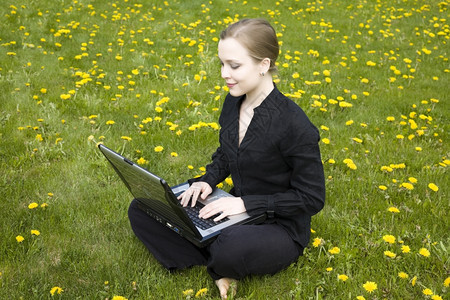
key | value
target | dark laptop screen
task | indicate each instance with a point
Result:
(145, 187)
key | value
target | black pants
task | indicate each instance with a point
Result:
(237, 252)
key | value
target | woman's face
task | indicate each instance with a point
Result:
(240, 71)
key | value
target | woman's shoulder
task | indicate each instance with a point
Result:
(293, 118)
(287, 107)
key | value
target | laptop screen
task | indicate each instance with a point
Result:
(145, 187)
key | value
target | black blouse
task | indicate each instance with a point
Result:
(277, 169)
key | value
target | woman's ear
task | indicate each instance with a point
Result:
(265, 65)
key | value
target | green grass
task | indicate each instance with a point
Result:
(117, 59)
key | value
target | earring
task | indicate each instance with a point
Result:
(262, 73)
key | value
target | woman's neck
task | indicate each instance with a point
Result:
(256, 97)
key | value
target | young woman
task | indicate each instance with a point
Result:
(270, 149)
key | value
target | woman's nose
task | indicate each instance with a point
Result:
(224, 72)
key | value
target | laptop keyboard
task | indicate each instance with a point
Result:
(199, 222)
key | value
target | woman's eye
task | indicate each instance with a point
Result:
(234, 66)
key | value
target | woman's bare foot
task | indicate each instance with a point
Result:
(224, 284)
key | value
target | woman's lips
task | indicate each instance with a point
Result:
(230, 85)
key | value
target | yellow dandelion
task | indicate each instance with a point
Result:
(406, 249)
(427, 292)
(334, 250)
(424, 252)
(433, 187)
(389, 239)
(159, 148)
(447, 282)
(201, 293)
(390, 254)
(393, 209)
(35, 232)
(370, 286)
(187, 293)
(317, 242)
(20, 239)
(142, 161)
(403, 275)
(32, 205)
(56, 290)
(342, 277)
(407, 186)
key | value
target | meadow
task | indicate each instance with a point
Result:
(143, 78)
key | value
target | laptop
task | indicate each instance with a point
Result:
(160, 202)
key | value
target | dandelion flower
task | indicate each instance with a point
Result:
(390, 254)
(56, 290)
(393, 209)
(334, 250)
(174, 154)
(436, 297)
(407, 186)
(342, 277)
(20, 238)
(189, 292)
(424, 252)
(159, 148)
(201, 293)
(427, 292)
(403, 275)
(360, 298)
(447, 282)
(389, 239)
(32, 205)
(370, 286)
(329, 269)
(35, 232)
(317, 241)
(126, 138)
(229, 181)
(142, 161)
(412, 180)
(433, 187)
(382, 187)
(406, 249)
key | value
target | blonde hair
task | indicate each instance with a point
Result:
(258, 36)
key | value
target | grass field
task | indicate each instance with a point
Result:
(143, 79)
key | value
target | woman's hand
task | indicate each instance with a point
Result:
(226, 206)
(199, 188)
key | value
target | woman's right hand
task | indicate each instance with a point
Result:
(199, 188)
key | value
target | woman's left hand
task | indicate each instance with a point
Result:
(226, 206)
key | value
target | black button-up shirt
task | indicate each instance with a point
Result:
(277, 168)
